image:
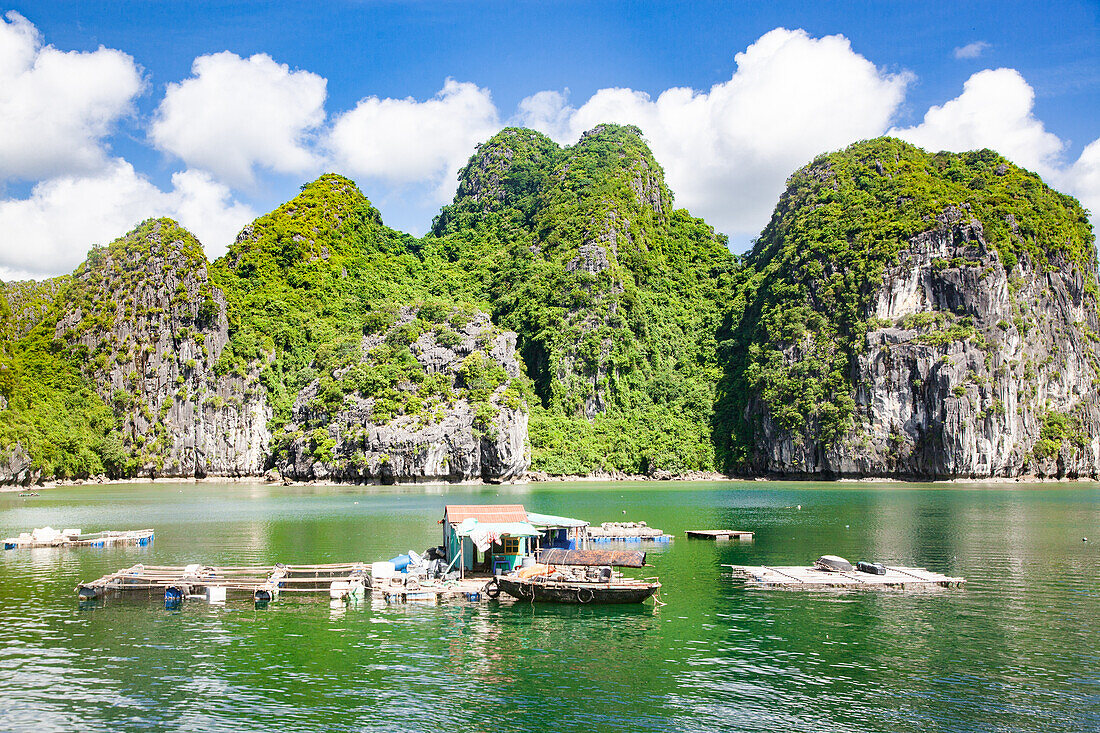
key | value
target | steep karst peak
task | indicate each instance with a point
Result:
(152, 243)
(913, 188)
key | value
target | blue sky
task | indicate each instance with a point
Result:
(214, 112)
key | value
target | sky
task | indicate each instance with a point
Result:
(216, 112)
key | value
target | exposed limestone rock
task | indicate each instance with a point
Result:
(16, 469)
(973, 371)
(153, 327)
(452, 437)
(29, 302)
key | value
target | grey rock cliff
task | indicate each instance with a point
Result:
(971, 370)
(450, 438)
(153, 327)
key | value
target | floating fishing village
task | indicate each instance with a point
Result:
(487, 552)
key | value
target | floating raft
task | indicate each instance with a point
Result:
(47, 537)
(191, 581)
(719, 534)
(810, 577)
(626, 532)
(267, 583)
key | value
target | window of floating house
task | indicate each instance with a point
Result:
(511, 546)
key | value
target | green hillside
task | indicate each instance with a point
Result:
(615, 295)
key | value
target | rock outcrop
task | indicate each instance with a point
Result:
(16, 467)
(598, 250)
(149, 328)
(459, 413)
(977, 360)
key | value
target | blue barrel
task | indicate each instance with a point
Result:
(401, 563)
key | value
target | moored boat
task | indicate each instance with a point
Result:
(547, 591)
(577, 576)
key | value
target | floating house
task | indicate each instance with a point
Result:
(499, 532)
(503, 535)
(562, 533)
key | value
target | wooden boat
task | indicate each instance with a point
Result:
(546, 591)
(542, 583)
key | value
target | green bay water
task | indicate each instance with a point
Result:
(1016, 649)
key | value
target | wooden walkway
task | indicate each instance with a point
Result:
(719, 534)
(73, 538)
(809, 577)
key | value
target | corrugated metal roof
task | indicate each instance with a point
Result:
(549, 520)
(455, 513)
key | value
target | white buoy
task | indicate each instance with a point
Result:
(215, 594)
(339, 589)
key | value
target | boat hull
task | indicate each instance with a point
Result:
(577, 593)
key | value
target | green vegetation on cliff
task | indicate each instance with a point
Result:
(644, 342)
(301, 283)
(807, 285)
(615, 295)
(48, 408)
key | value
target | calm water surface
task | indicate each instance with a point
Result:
(1017, 649)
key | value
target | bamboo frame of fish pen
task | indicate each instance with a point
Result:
(267, 582)
(263, 582)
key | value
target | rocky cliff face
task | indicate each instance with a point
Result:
(975, 360)
(374, 391)
(151, 328)
(422, 401)
(28, 302)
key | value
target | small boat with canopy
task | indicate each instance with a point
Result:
(577, 576)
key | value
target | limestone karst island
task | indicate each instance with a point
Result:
(585, 367)
(903, 314)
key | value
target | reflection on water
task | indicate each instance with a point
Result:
(1014, 650)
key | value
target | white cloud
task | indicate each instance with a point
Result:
(971, 50)
(51, 231)
(403, 141)
(234, 115)
(993, 111)
(55, 106)
(1083, 180)
(727, 152)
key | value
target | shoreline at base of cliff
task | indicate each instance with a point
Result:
(536, 477)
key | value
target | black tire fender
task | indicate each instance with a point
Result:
(580, 595)
(492, 588)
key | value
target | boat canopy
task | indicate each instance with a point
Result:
(616, 558)
(549, 521)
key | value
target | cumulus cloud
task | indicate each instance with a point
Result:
(51, 231)
(993, 111)
(56, 107)
(1082, 180)
(971, 50)
(405, 141)
(234, 115)
(727, 152)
